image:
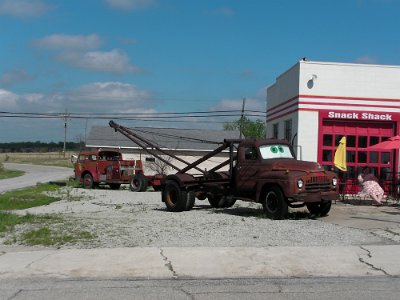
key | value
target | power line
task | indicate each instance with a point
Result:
(159, 117)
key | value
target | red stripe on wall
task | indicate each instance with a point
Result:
(334, 97)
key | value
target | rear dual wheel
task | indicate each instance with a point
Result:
(177, 199)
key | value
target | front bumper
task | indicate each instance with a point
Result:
(310, 197)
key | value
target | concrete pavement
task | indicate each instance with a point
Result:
(34, 174)
(202, 262)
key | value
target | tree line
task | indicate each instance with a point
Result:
(27, 147)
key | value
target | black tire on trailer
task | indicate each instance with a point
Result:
(88, 181)
(229, 201)
(190, 199)
(320, 208)
(274, 204)
(174, 197)
(115, 186)
(138, 183)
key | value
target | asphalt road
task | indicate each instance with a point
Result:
(356, 288)
(34, 174)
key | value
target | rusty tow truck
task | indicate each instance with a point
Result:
(262, 171)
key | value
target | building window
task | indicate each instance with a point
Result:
(275, 130)
(288, 130)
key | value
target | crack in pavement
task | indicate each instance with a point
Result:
(369, 264)
(168, 264)
(37, 260)
(16, 294)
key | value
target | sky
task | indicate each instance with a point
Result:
(169, 63)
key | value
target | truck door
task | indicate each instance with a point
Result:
(246, 170)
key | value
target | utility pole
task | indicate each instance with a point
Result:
(65, 118)
(241, 118)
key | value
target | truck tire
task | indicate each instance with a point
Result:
(190, 199)
(319, 209)
(229, 201)
(174, 198)
(138, 183)
(274, 204)
(88, 181)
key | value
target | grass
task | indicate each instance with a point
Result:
(48, 230)
(47, 158)
(28, 197)
(8, 221)
(45, 230)
(46, 237)
(4, 173)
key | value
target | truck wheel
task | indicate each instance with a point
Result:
(216, 201)
(138, 183)
(115, 186)
(229, 201)
(190, 199)
(319, 209)
(88, 181)
(274, 204)
(174, 198)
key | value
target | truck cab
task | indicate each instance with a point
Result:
(266, 171)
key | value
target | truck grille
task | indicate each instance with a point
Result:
(318, 184)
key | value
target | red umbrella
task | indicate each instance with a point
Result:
(390, 144)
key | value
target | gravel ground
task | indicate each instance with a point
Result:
(125, 219)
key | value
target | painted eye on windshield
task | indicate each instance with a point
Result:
(274, 149)
(280, 148)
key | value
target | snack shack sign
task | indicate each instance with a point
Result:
(359, 115)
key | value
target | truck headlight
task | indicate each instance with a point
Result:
(300, 183)
(334, 181)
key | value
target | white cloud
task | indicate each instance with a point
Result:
(254, 109)
(72, 50)
(33, 102)
(13, 77)
(129, 4)
(103, 97)
(108, 97)
(114, 61)
(69, 42)
(236, 104)
(247, 73)
(8, 100)
(23, 8)
(366, 60)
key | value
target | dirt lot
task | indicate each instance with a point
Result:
(125, 219)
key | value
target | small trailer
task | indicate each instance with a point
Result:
(262, 171)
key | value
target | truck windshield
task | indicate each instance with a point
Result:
(275, 151)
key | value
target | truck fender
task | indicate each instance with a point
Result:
(180, 179)
(262, 188)
(94, 176)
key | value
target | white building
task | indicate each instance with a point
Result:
(314, 104)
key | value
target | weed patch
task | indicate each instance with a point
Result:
(28, 197)
(47, 237)
(4, 173)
